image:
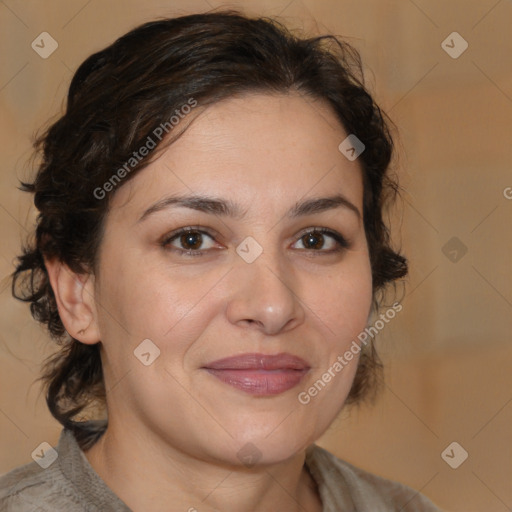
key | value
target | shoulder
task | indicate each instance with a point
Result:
(27, 488)
(51, 484)
(63, 480)
(342, 483)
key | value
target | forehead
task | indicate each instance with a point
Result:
(258, 148)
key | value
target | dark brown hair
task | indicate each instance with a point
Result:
(120, 95)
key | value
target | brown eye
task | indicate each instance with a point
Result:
(313, 241)
(322, 241)
(191, 240)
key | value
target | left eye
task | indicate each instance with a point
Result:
(321, 239)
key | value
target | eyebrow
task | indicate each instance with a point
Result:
(227, 208)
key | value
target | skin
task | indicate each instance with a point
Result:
(175, 430)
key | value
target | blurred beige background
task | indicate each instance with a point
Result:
(448, 353)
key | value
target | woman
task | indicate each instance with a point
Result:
(210, 243)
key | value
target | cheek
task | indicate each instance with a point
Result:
(139, 302)
(343, 302)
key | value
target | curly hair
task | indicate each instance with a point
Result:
(116, 99)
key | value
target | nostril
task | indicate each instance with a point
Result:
(250, 321)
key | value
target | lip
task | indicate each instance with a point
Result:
(260, 374)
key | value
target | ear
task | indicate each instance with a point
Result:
(74, 294)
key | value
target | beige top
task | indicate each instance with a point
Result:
(70, 484)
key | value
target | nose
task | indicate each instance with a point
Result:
(263, 297)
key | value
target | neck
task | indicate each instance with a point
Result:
(149, 475)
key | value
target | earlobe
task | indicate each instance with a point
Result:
(74, 294)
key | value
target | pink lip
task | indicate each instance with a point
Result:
(260, 374)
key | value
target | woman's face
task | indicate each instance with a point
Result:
(265, 172)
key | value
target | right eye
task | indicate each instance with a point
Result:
(189, 241)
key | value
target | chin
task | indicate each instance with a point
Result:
(264, 446)
(262, 452)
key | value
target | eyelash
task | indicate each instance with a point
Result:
(342, 242)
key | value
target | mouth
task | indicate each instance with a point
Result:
(260, 374)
